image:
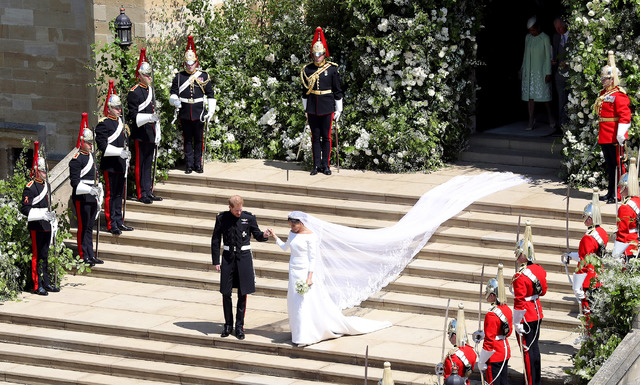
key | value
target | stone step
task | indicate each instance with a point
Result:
(511, 157)
(510, 142)
(117, 317)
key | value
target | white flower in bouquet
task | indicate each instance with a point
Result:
(301, 287)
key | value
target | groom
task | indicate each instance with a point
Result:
(235, 227)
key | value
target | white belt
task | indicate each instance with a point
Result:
(192, 101)
(500, 338)
(87, 181)
(532, 298)
(633, 230)
(243, 248)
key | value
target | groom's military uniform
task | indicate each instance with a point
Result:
(236, 267)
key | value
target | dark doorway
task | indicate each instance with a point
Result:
(500, 48)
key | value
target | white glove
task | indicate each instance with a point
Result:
(50, 216)
(211, 107)
(578, 281)
(174, 100)
(304, 104)
(125, 154)
(336, 115)
(95, 191)
(142, 119)
(622, 132)
(157, 133)
(519, 328)
(481, 366)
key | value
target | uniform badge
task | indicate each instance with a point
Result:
(200, 79)
(244, 234)
(609, 99)
(244, 221)
(325, 73)
(26, 199)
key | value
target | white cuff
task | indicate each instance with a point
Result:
(37, 214)
(619, 248)
(578, 280)
(112, 150)
(518, 316)
(485, 355)
(83, 188)
(623, 128)
(211, 106)
(142, 119)
(339, 105)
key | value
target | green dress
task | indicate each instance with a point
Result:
(536, 64)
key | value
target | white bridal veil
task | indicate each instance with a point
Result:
(356, 263)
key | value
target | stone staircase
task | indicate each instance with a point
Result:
(152, 312)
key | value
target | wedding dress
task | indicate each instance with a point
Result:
(313, 317)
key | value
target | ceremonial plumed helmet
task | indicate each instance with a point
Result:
(114, 101)
(40, 164)
(87, 135)
(454, 379)
(495, 286)
(525, 245)
(452, 327)
(610, 71)
(592, 209)
(461, 328)
(319, 44)
(189, 57)
(145, 68)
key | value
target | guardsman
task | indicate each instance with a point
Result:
(41, 224)
(496, 351)
(528, 283)
(614, 115)
(594, 242)
(145, 130)
(188, 92)
(322, 101)
(111, 138)
(87, 195)
(626, 244)
(462, 358)
(234, 228)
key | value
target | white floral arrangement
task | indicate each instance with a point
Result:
(301, 287)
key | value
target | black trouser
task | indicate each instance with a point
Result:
(114, 190)
(86, 213)
(40, 241)
(228, 310)
(144, 164)
(531, 353)
(610, 162)
(321, 139)
(192, 132)
(497, 374)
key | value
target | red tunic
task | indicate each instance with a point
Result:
(627, 223)
(612, 104)
(493, 334)
(591, 243)
(453, 359)
(523, 289)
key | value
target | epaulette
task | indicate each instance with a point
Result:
(134, 87)
(30, 184)
(76, 155)
(102, 119)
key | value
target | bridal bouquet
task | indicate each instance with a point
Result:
(301, 287)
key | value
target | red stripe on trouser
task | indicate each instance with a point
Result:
(527, 360)
(138, 187)
(34, 260)
(107, 200)
(488, 374)
(202, 152)
(330, 143)
(80, 228)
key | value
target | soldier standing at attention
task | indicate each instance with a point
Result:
(87, 195)
(41, 224)
(188, 92)
(626, 244)
(496, 351)
(462, 358)
(145, 131)
(528, 283)
(322, 101)
(234, 228)
(111, 139)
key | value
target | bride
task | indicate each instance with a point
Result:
(313, 316)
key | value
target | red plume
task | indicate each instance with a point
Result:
(191, 45)
(112, 91)
(143, 58)
(84, 124)
(36, 149)
(319, 35)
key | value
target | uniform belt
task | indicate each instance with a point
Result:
(191, 100)
(500, 338)
(532, 298)
(87, 181)
(235, 248)
(316, 92)
(612, 119)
